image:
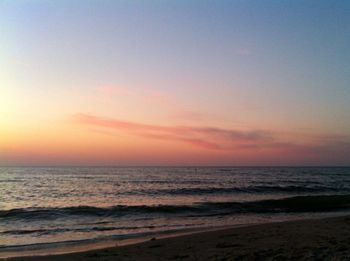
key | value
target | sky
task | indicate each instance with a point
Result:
(187, 82)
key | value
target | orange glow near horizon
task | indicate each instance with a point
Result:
(86, 139)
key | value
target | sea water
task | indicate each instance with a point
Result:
(55, 205)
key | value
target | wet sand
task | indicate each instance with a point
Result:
(320, 239)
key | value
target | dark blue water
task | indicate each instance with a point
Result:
(50, 205)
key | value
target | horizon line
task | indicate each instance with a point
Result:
(175, 166)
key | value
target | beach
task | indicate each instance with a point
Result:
(238, 211)
(313, 239)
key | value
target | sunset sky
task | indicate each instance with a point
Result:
(174, 82)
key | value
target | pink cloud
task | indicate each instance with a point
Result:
(257, 142)
(206, 137)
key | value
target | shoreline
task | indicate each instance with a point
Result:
(312, 238)
(72, 247)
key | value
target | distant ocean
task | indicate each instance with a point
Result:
(45, 206)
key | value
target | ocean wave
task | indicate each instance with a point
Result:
(298, 204)
(248, 189)
(322, 203)
(115, 211)
(80, 230)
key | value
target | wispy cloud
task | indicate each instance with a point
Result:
(228, 140)
(206, 137)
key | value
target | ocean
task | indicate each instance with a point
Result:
(47, 206)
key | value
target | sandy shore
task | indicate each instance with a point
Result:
(322, 239)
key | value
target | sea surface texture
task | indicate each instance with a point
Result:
(43, 206)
